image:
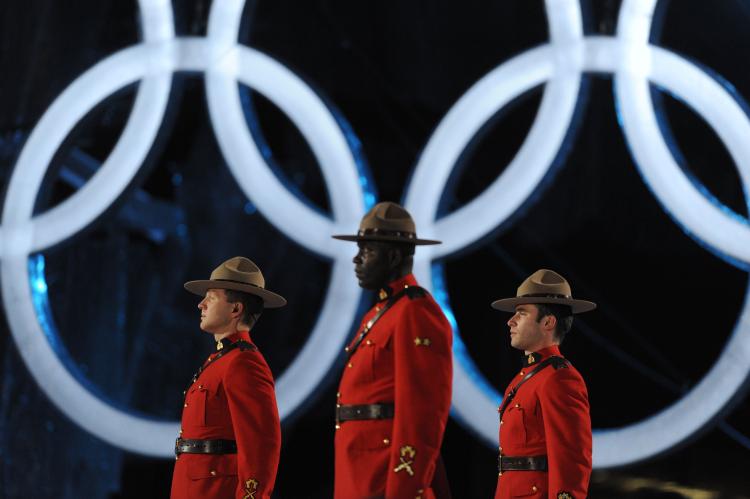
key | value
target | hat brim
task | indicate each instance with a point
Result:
(387, 239)
(576, 306)
(270, 299)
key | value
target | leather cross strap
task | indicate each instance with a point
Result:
(365, 411)
(191, 446)
(411, 291)
(555, 360)
(525, 463)
(242, 345)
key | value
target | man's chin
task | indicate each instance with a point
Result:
(365, 285)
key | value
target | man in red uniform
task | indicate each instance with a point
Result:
(395, 393)
(230, 438)
(545, 428)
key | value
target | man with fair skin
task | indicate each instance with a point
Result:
(394, 395)
(230, 437)
(545, 428)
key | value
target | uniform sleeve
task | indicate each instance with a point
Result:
(423, 376)
(567, 428)
(255, 419)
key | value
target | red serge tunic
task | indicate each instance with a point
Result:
(232, 399)
(548, 416)
(405, 359)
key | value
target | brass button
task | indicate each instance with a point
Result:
(521, 373)
(368, 342)
(501, 422)
(185, 404)
(350, 365)
(533, 488)
(213, 473)
(200, 387)
(517, 406)
(346, 349)
(338, 426)
(386, 441)
(500, 474)
(338, 405)
(338, 394)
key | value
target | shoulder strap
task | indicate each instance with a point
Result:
(555, 361)
(412, 292)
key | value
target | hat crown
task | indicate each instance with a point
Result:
(239, 269)
(388, 216)
(545, 282)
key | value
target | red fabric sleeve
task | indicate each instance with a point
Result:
(567, 428)
(250, 393)
(423, 375)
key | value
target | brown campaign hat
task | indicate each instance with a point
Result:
(544, 286)
(239, 274)
(388, 222)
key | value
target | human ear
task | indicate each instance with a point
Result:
(394, 257)
(550, 322)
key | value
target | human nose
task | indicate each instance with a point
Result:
(512, 321)
(202, 304)
(357, 258)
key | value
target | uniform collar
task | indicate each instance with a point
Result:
(396, 286)
(233, 338)
(536, 357)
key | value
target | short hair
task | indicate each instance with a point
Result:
(406, 249)
(563, 315)
(252, 306)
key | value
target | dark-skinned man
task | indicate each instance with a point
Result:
(545, 428)
(395, 392)
(230, 438)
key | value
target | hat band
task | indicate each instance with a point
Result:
(546, 295)
(388, 233)
(238, 282)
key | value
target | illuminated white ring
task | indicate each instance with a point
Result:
(157, 60)
(21, 234)
(558, 62)
(286, 211)
(623, 56)
(708, 223)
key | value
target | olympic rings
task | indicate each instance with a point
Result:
(559, 64)
(634, 63)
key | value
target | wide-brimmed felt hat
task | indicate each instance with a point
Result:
(544, 286)
(240, 274)
(387, 222)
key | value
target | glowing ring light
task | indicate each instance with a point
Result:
(153, 62)
(634, 64)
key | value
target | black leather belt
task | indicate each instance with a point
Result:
(189, 446)
(365, 411)
(530, 463)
